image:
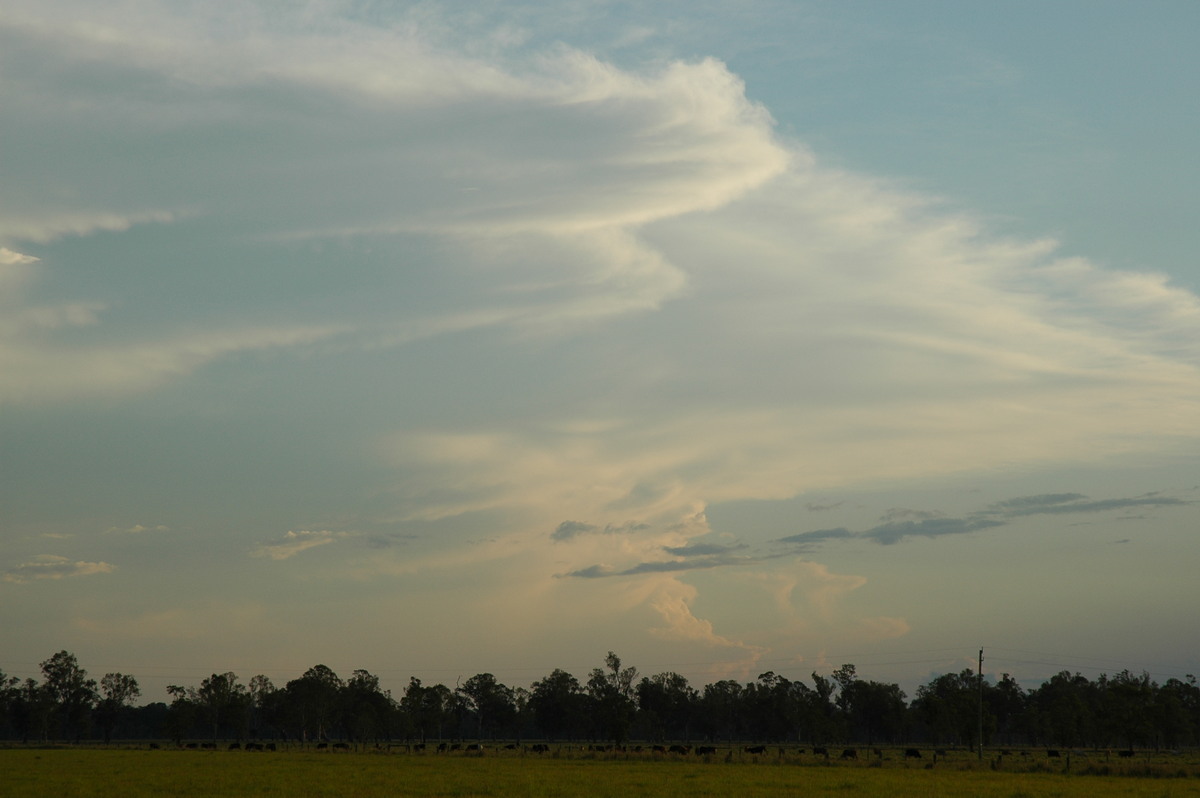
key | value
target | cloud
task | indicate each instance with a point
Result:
(295, 542)
(569, 529)
(703, 549)
(52, 566)
(1061, 503)
(933, 525)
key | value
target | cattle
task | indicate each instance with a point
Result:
(659, 749)
(821, 752)
(208, 746)
(418, 746)
(680, 749)
(475, 747)
(341, 746)
(877, 752)
(270, 746)
(154, 746)
(254, 746)
(1052, 753)
(912, 753)
(322, 746)
(1126, 753)
(443, 748)
(705, 750)
(235, 746)
(539, 748)
(849, 753)
(756, 749)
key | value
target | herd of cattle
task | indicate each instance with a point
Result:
(660, 750)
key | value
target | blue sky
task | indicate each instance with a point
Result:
(728, 337)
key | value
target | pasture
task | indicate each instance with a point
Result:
(131, 773)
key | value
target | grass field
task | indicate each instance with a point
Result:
(129, 773)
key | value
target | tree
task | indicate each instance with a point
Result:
(721, 708)
(666, 706)
(118, 691)
(72, 693)
(263, 704)
(223, 701)
(313, 700)
(612, 695)
(367, 708)
(491, 702)
(557, 704)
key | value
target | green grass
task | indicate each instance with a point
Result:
(66, 773)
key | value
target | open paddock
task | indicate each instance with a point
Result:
(132, 773)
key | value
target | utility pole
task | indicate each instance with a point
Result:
(981, 704)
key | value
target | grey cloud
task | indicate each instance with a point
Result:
(52, 566)
(667, 566)
(702, 549)
(569, 529)
(895, 531)
(1059, 503)
(818, 536)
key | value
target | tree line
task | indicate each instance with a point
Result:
(613, 704)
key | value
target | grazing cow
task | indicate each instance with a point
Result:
(341, 746)
(679, 749)
(322, 746)
(849, 753)
(659, 749)
(539, 748)
(511, 747)
(1052, 753)
(418, 747)
(475, 747)
(912, 753)
(705, 750)
(1126, 754)
(235, 746)
(270, 746)
(821, 752)
(153, 746)
(756, 749)
(443, 748)
(878, 752)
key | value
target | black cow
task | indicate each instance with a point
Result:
(679, 749)
(849, 753)
(912, 753)
(756, 749)
(821, 752)
(1052, 753)
(539, 748)
(1126, 754)
(705, 750)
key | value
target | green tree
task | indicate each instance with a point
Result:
(73, 694)
(491, 703)
(666, 706)
(368, 710)
(557, 703)
(612, 694)
(118, 691)
(313, 702)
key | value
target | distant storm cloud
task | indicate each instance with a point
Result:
(52, 566)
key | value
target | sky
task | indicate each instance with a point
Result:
(437, 339)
